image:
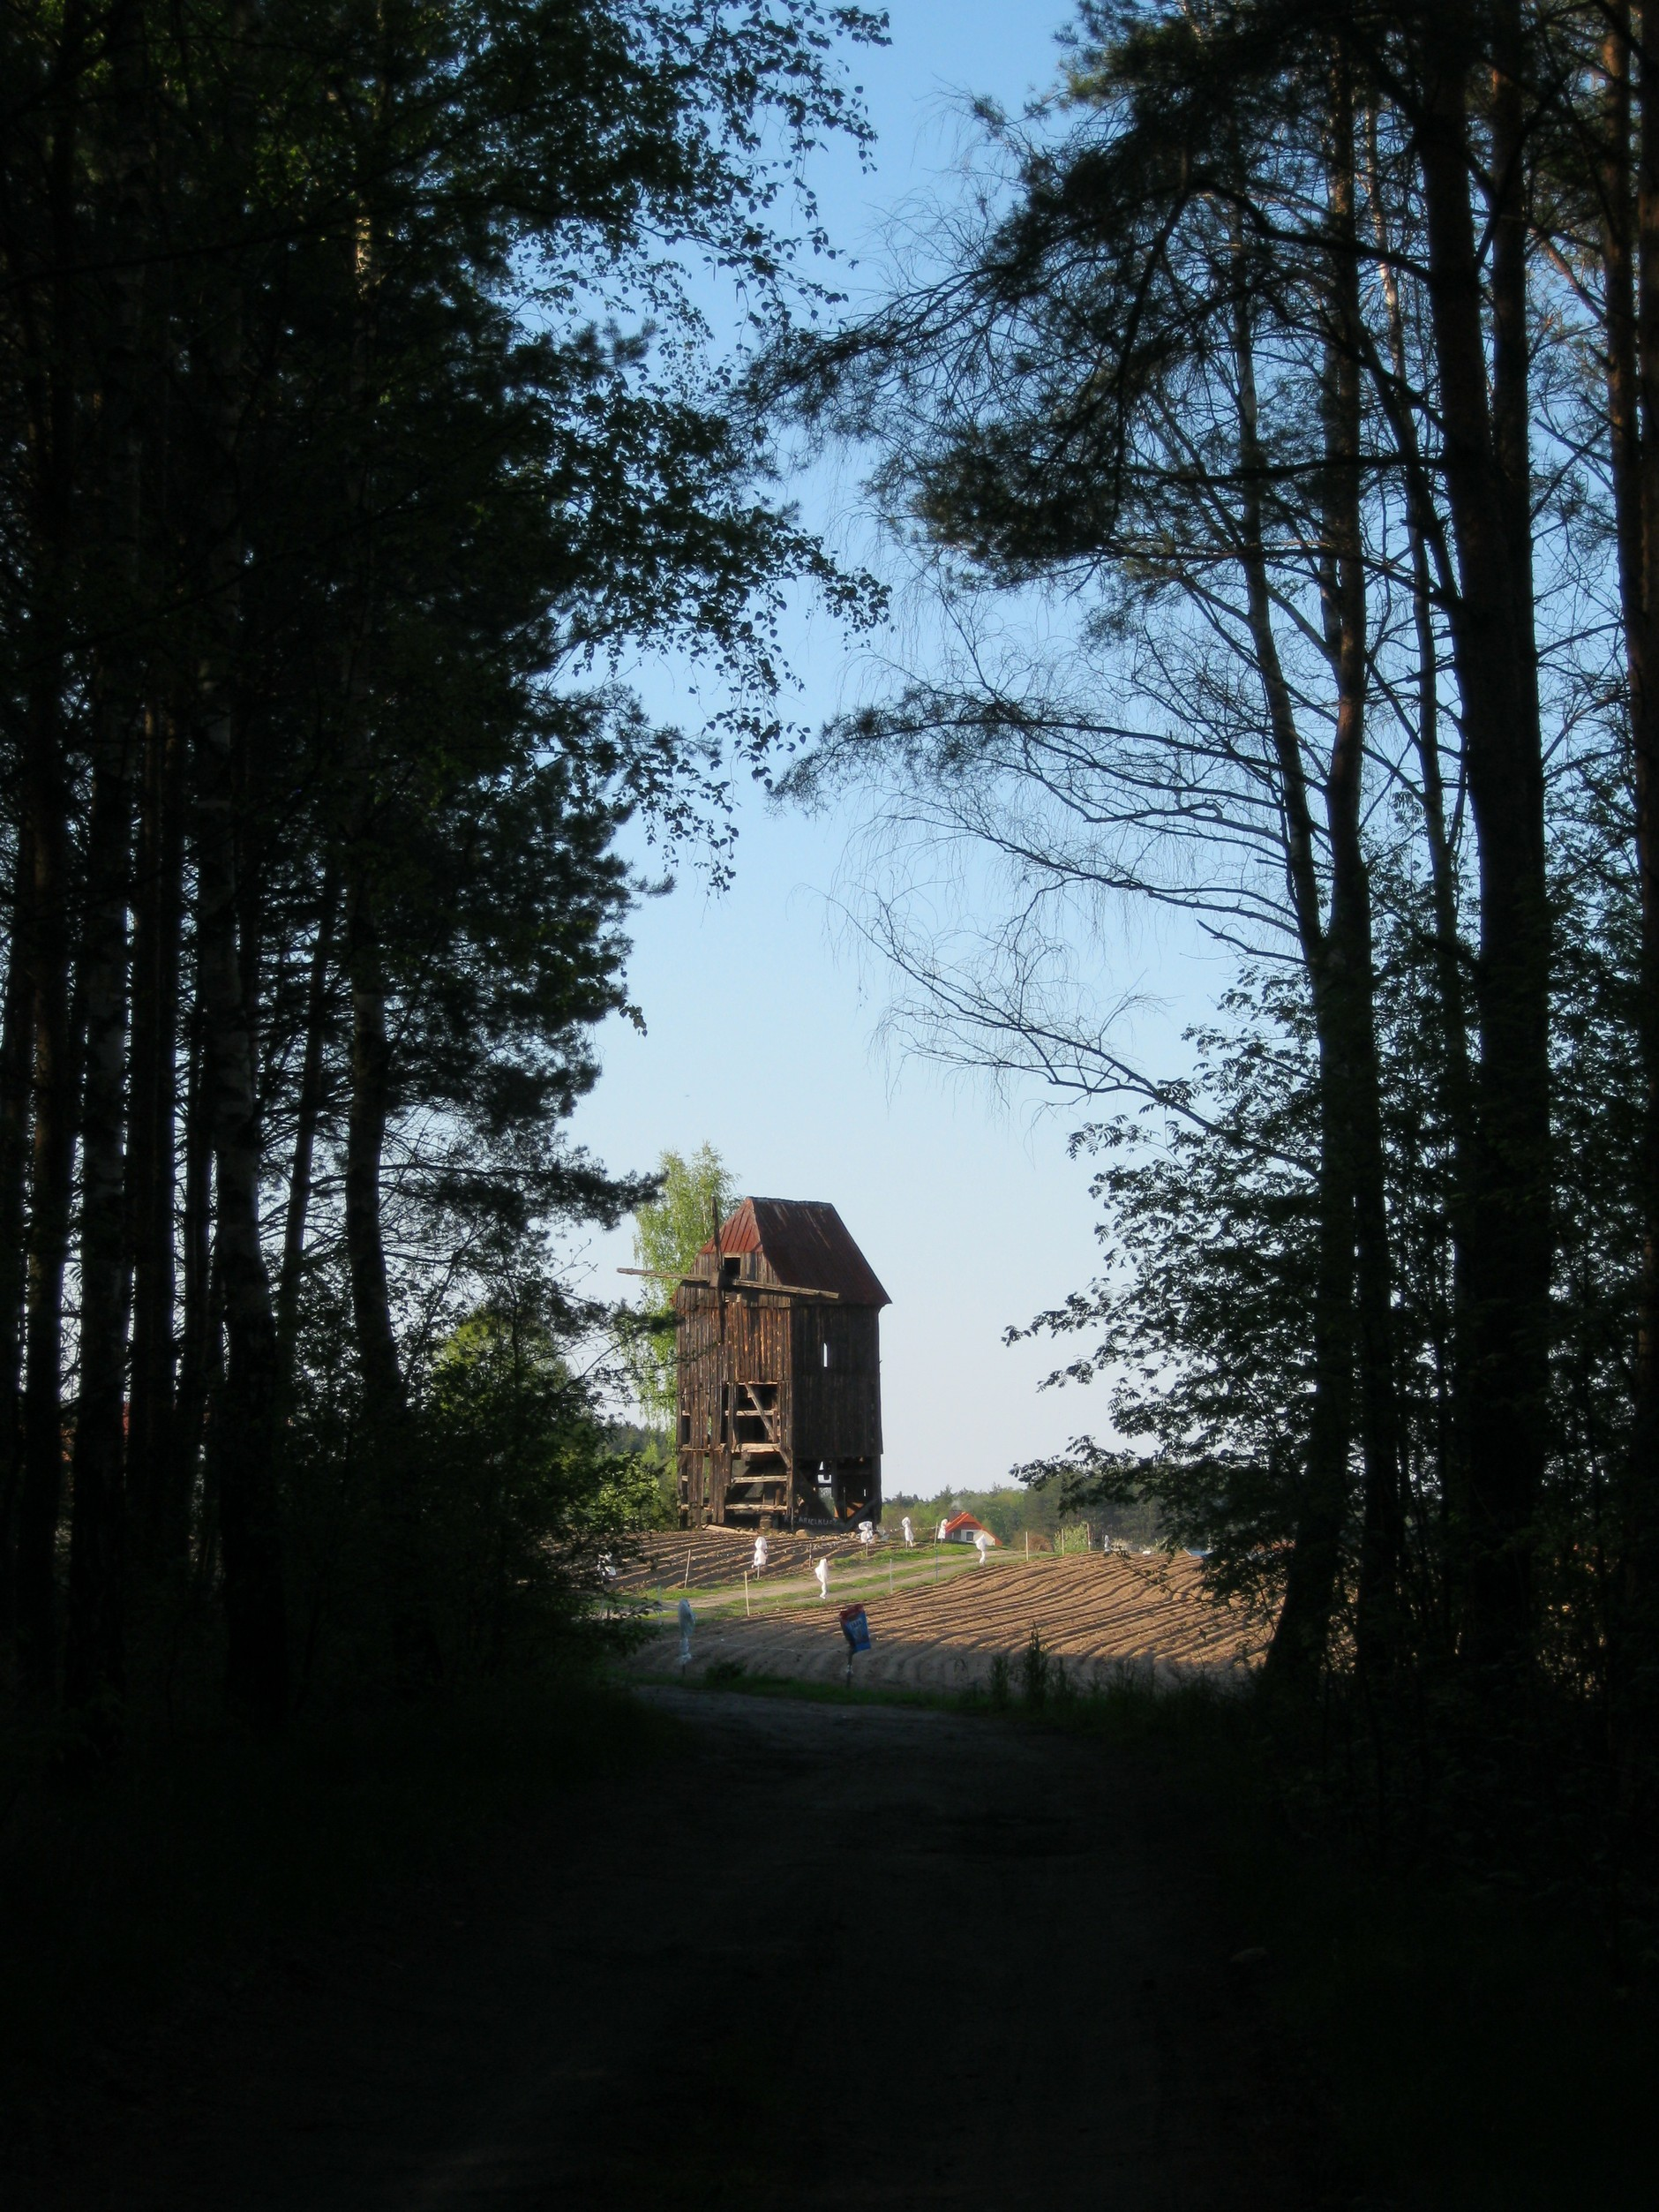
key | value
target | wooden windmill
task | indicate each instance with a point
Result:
(779, 1399)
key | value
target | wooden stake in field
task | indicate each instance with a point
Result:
(687, 1585)
(745, 1596)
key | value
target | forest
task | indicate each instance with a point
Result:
(1300, 367)
(1255, 445)
(362, 413)
(1269, 415)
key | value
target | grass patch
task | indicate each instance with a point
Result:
(726, 1676)
(192, 1861)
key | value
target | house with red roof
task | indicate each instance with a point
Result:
(962, 1528)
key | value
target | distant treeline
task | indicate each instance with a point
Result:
(1010, 1514)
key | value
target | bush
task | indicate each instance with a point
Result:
(488, 1541)
(1035, 1666)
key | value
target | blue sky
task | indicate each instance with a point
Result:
(760, 1023)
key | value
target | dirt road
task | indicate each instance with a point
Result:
(811, 1956)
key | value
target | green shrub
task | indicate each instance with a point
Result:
(490, 1538)
(1035, 1671)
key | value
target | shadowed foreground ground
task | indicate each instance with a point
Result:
(816, 1955)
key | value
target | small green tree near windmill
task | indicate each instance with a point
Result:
(669, 1232)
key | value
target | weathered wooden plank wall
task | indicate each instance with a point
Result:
(838, 1405)
(822, 1357)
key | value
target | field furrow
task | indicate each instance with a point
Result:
(1099, 1614)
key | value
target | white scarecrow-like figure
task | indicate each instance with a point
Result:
(686, 1618)
(939, 1533)
(760, 1555)
(823, 1572)
(982, 1544)
(910, 1533)
(867, 1533)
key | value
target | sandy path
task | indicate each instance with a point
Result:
(1098, 1614)
(811, 1957)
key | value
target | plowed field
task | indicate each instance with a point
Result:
(1096, 1612)
(718, 1557)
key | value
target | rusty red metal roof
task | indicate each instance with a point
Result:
(803, 1242)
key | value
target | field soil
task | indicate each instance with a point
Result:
(710, 1559)
(1098, 1614)
(808, 1955)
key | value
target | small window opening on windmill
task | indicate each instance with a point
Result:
(729, 1267)
(684, 1429)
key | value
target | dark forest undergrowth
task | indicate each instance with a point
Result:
(1473, 2039)
(1481, 2028)
(197, 1864)
(1482, 2024)
(1486, 2041)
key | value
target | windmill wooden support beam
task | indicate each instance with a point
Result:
(780, 1393)
(742, 1288)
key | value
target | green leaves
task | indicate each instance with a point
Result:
(694, 1196)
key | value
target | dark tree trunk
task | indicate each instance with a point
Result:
(249, 1533)
(198, 1359)
(1302, 1634)
(242, 1450)
(1431, 569)
(1352, 1319)
(1348, 992)
(41, 1484)
(159, 1529)
(384, 1401)
(1631, 263)
(255, 1617)
(15, 1040)
(95, 1654)
(308, 1109)
(49, 305)
(385, 1405)
(1508, 1239)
